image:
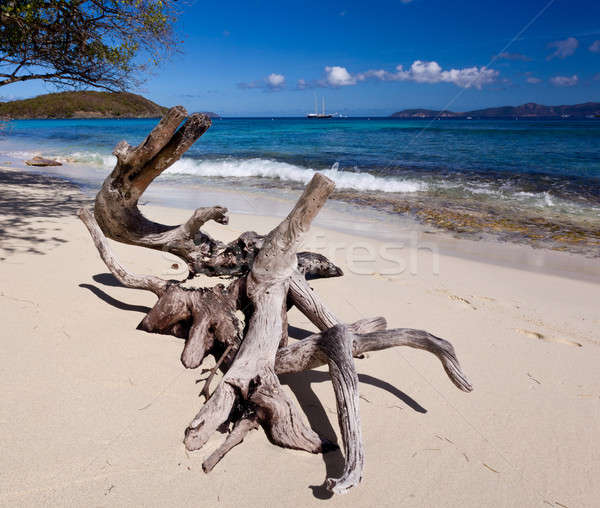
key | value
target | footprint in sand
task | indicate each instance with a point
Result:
(540, 336)
(462, 301)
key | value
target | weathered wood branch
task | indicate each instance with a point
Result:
(204, 317)
(419, 339)
(336, 343)
(308, 302)
(155, 284)
(299, 356)
(252, 373)
(119, 217)
(337, 346)
(308, 354)
(234, 438)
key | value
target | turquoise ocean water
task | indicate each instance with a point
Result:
(523, 180)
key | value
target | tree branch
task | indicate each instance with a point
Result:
(29, 77)
(120, 219)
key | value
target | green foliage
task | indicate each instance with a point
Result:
(83, 105)
(102, 43)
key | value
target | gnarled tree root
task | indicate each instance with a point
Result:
(191, 313)
(269, 277)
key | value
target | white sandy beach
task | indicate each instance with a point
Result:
(93, 411)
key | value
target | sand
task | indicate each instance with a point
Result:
(93, 410)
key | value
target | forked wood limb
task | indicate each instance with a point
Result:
(337, 346)
(119, 217)
(308, 354)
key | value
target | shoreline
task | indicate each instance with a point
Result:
(398, 230)
(506, 196)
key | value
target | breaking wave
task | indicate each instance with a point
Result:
(265, 168)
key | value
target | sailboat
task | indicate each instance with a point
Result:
(316, 114)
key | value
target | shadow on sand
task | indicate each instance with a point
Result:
(113, 301)
(27, 201)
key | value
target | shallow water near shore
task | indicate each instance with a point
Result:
(525, 181)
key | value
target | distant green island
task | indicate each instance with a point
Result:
(529, 110)
(84, 104)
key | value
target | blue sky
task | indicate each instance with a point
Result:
(270, 58)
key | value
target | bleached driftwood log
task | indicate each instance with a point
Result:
(269, 275)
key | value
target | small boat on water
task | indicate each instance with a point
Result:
(316, 114)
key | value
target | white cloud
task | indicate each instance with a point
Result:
(470, 77)
(423, 72)
(339, 76)
(275, 80)
(378, 74)
(595, 47)
(565, 80)
(431, 72)
(563, 48)
(533, 80)
(419, 72)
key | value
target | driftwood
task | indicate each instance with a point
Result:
(269, 276)
(41, 162)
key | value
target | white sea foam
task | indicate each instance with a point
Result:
(20, 154)
(482, 190)
(348, 180)
(93, 158)
(265, 168)
(248, 168)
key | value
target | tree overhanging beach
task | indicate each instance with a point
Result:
(91, 43)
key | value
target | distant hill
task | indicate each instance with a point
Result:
(82, 105)
(424, 113)
(529, 110)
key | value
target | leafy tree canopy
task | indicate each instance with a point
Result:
(76, 43)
